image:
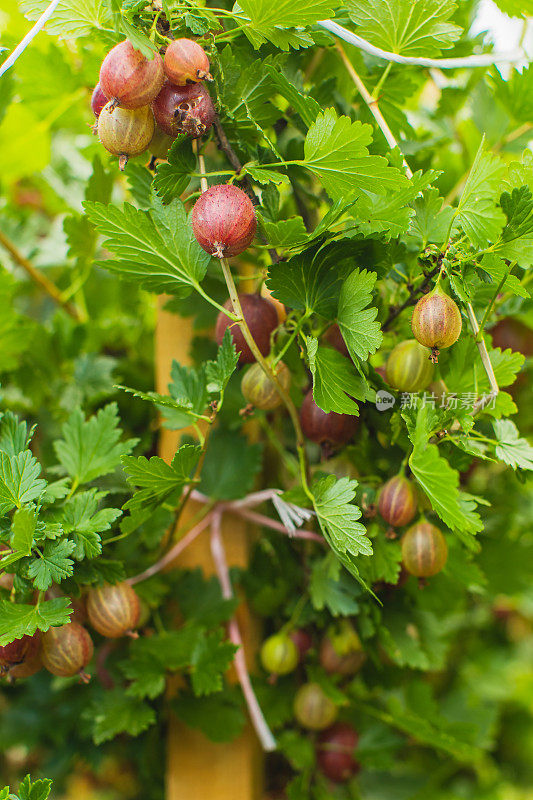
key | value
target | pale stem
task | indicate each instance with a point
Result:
(260, 519)
(39, 25)
(201, 162)
(256, 715)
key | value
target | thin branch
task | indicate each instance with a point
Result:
(173, 553)
(38, 277)
(483, 352)
(260, 519)
(256, 715)
(411, 300)
(485, 60)
(39, 25)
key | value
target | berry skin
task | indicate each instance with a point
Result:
(98, 100)
(128, 78)
(223, 221)
(325, 427)
(184, 109)
(303, 641)
(262, 320)
(334, 337)
(313, 709)
(279, 654)
(436, 321)
(19, 652)
(341, 652)
(186, 62)
(398, 501)
(260, 391)
(67, 650)
(424, 550)
(113, 610)
(335, 752)
(409, 367)
(125, 132)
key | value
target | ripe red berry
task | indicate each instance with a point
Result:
(98, 100)
(335, 752)
(313, 709)
(303, 641)
(125, 132)
(113, 610)
(409, 367)
(424, 550)
(19, 651)
(260, 391)
(67, 650)
(436, 321)
(262, 320)
(398, 501)
(130, 79)
(186, 62)
(325, 427)
(334, 337)
(184, 109)
(223, 220)
(279, 654)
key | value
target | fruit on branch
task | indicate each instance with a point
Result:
(261, 318)
(303, 641)
(436, 321)
(113, 610)
(334, 337)
(511, 334)
(341, 651)
(186, 62)
(18, 653)
(184, 109)
(224, 221)
(130, 79)
(398, 501)
(98, 100)
(335, 752)
(409, 367)
(279, 654)
(125, 132)
(260, 391)
(313, 709)
(67, 650)
(424, 550)
(326, 427)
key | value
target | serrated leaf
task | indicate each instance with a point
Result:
(22, 530)
(264, 176)
(511, 448)
(360, 331)
(14, 434)
(18, 619)
(173, 177)
(335, 380)
(287, 13)
(34, 790)
(158, 480)
(477, 212)
(338, 516)
(72, 18)
(230, 465)
(19, 480)
(81, 518)
(285, 233)
(210, 659)
(220, 371)
(52, 565)
(332, 588)
(116, 712)
(432, 219)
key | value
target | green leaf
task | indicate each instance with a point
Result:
(498, 269)
(19, 480)
(156, 249)
(336, 152)
(150, 659)
(159, 481)
(478, 214)
(335, 380)
(220, 371)
(285, 233)
(72, 18)
(511, 448)
(22, 530)
(338, 517)
(432, 219)
(18, 619)
(230, 465)
(220, 716)
(200, 599)
(14, 434)
(53, 565)
(91, 448)
(188, 388)
(34, 790)
(413, 638)
(517, 237)
(407, 27)
(173, 177)
(306, 106)
(116, 712)
(332, 588)
(287, 13)
(360, 331)
(81, 518)
(210, 659)
(265, 176)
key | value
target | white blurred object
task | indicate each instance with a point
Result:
(507, 33)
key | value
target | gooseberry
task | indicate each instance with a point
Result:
(66, 650)
(333, 336)
(113, 610)
(19, 651)
(186, 62)
(303, 641)
(436, 321)
(335, 752)
(313, 709)
(424, 550)
(279, 654)
(326, 427)
(409, 367)
(341, 651)
(128, 78)
(398, 501)
(125, 132)
(260, 391)
(223, 220)
(184, 109)
(98, 100)
(262, 320)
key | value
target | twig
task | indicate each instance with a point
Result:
(201, 163)
(38, 277)
(173, 553)
(373, 106)
(39, 25)
(484, 60)
(256, 715)
(260, 519)
(411, 300)
(483, 352)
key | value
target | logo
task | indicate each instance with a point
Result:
(384, 400)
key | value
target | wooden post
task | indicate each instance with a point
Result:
(198, 769)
